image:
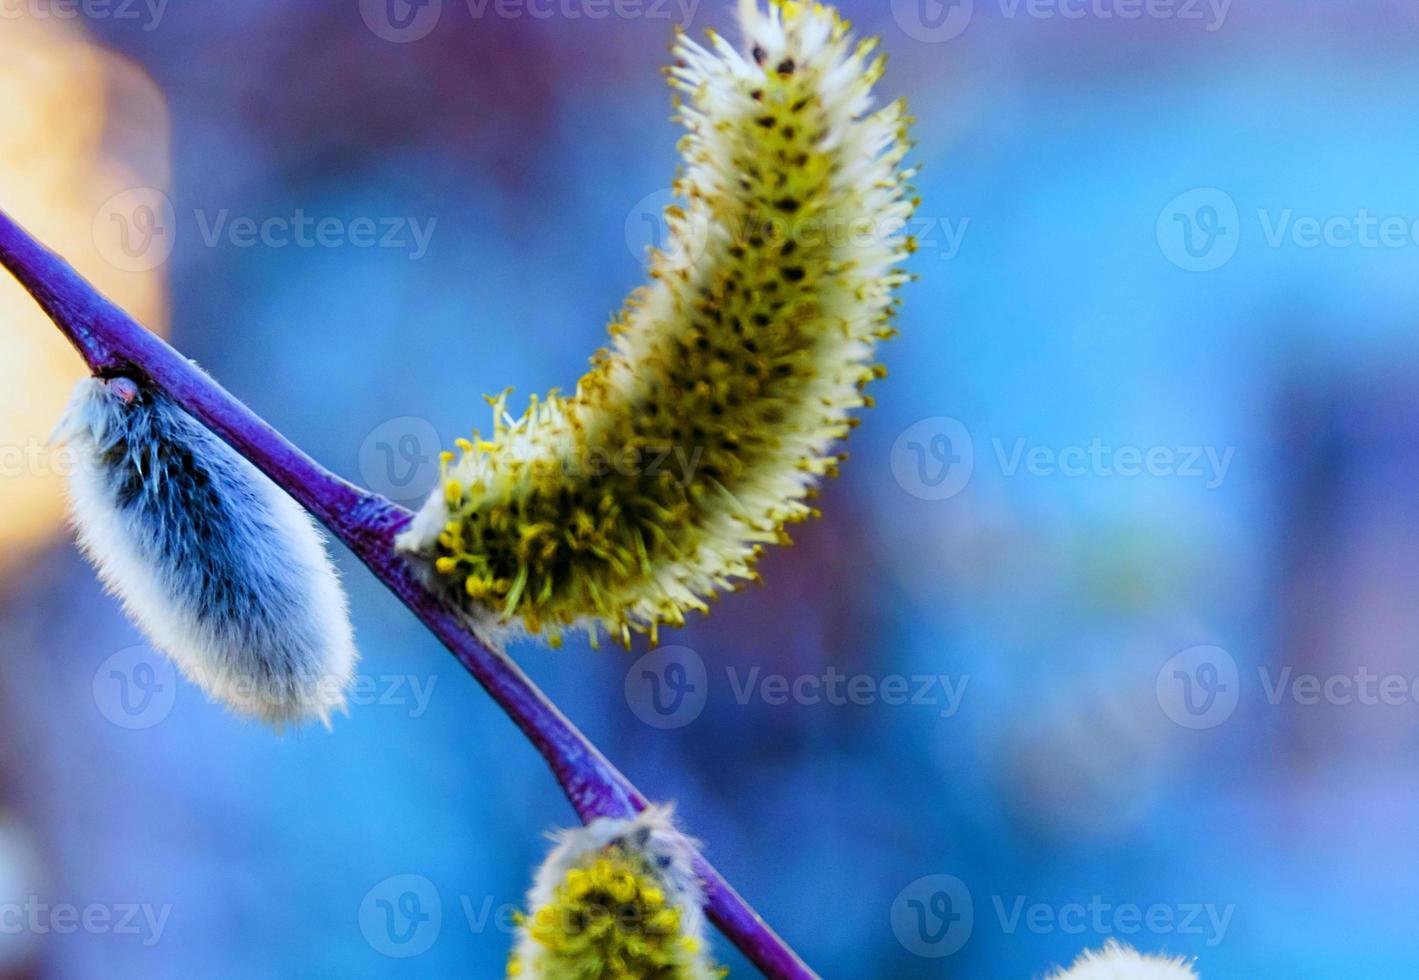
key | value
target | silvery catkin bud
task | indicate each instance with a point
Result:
(222, 570)
(704, 427)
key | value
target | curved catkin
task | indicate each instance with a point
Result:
(702, 430)
(219, 568)
(615, 899)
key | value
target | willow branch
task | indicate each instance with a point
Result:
(112, 343)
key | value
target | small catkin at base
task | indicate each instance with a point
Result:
(218, 567)
(615, 900)
(1116, 962)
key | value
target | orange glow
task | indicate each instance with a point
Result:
(64, 98)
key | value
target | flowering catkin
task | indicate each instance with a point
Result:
(702, 430)
(218, 566)
(615, 900)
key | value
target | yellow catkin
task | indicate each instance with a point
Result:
(703, 427)
(615, 901)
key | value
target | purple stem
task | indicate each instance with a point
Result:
(112, 343)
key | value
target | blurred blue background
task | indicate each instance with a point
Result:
(1145, 460)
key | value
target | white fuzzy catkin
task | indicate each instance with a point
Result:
(221, 570)
(1115, 962)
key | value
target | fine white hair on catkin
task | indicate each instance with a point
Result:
(220, 569)
(1116, 962)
